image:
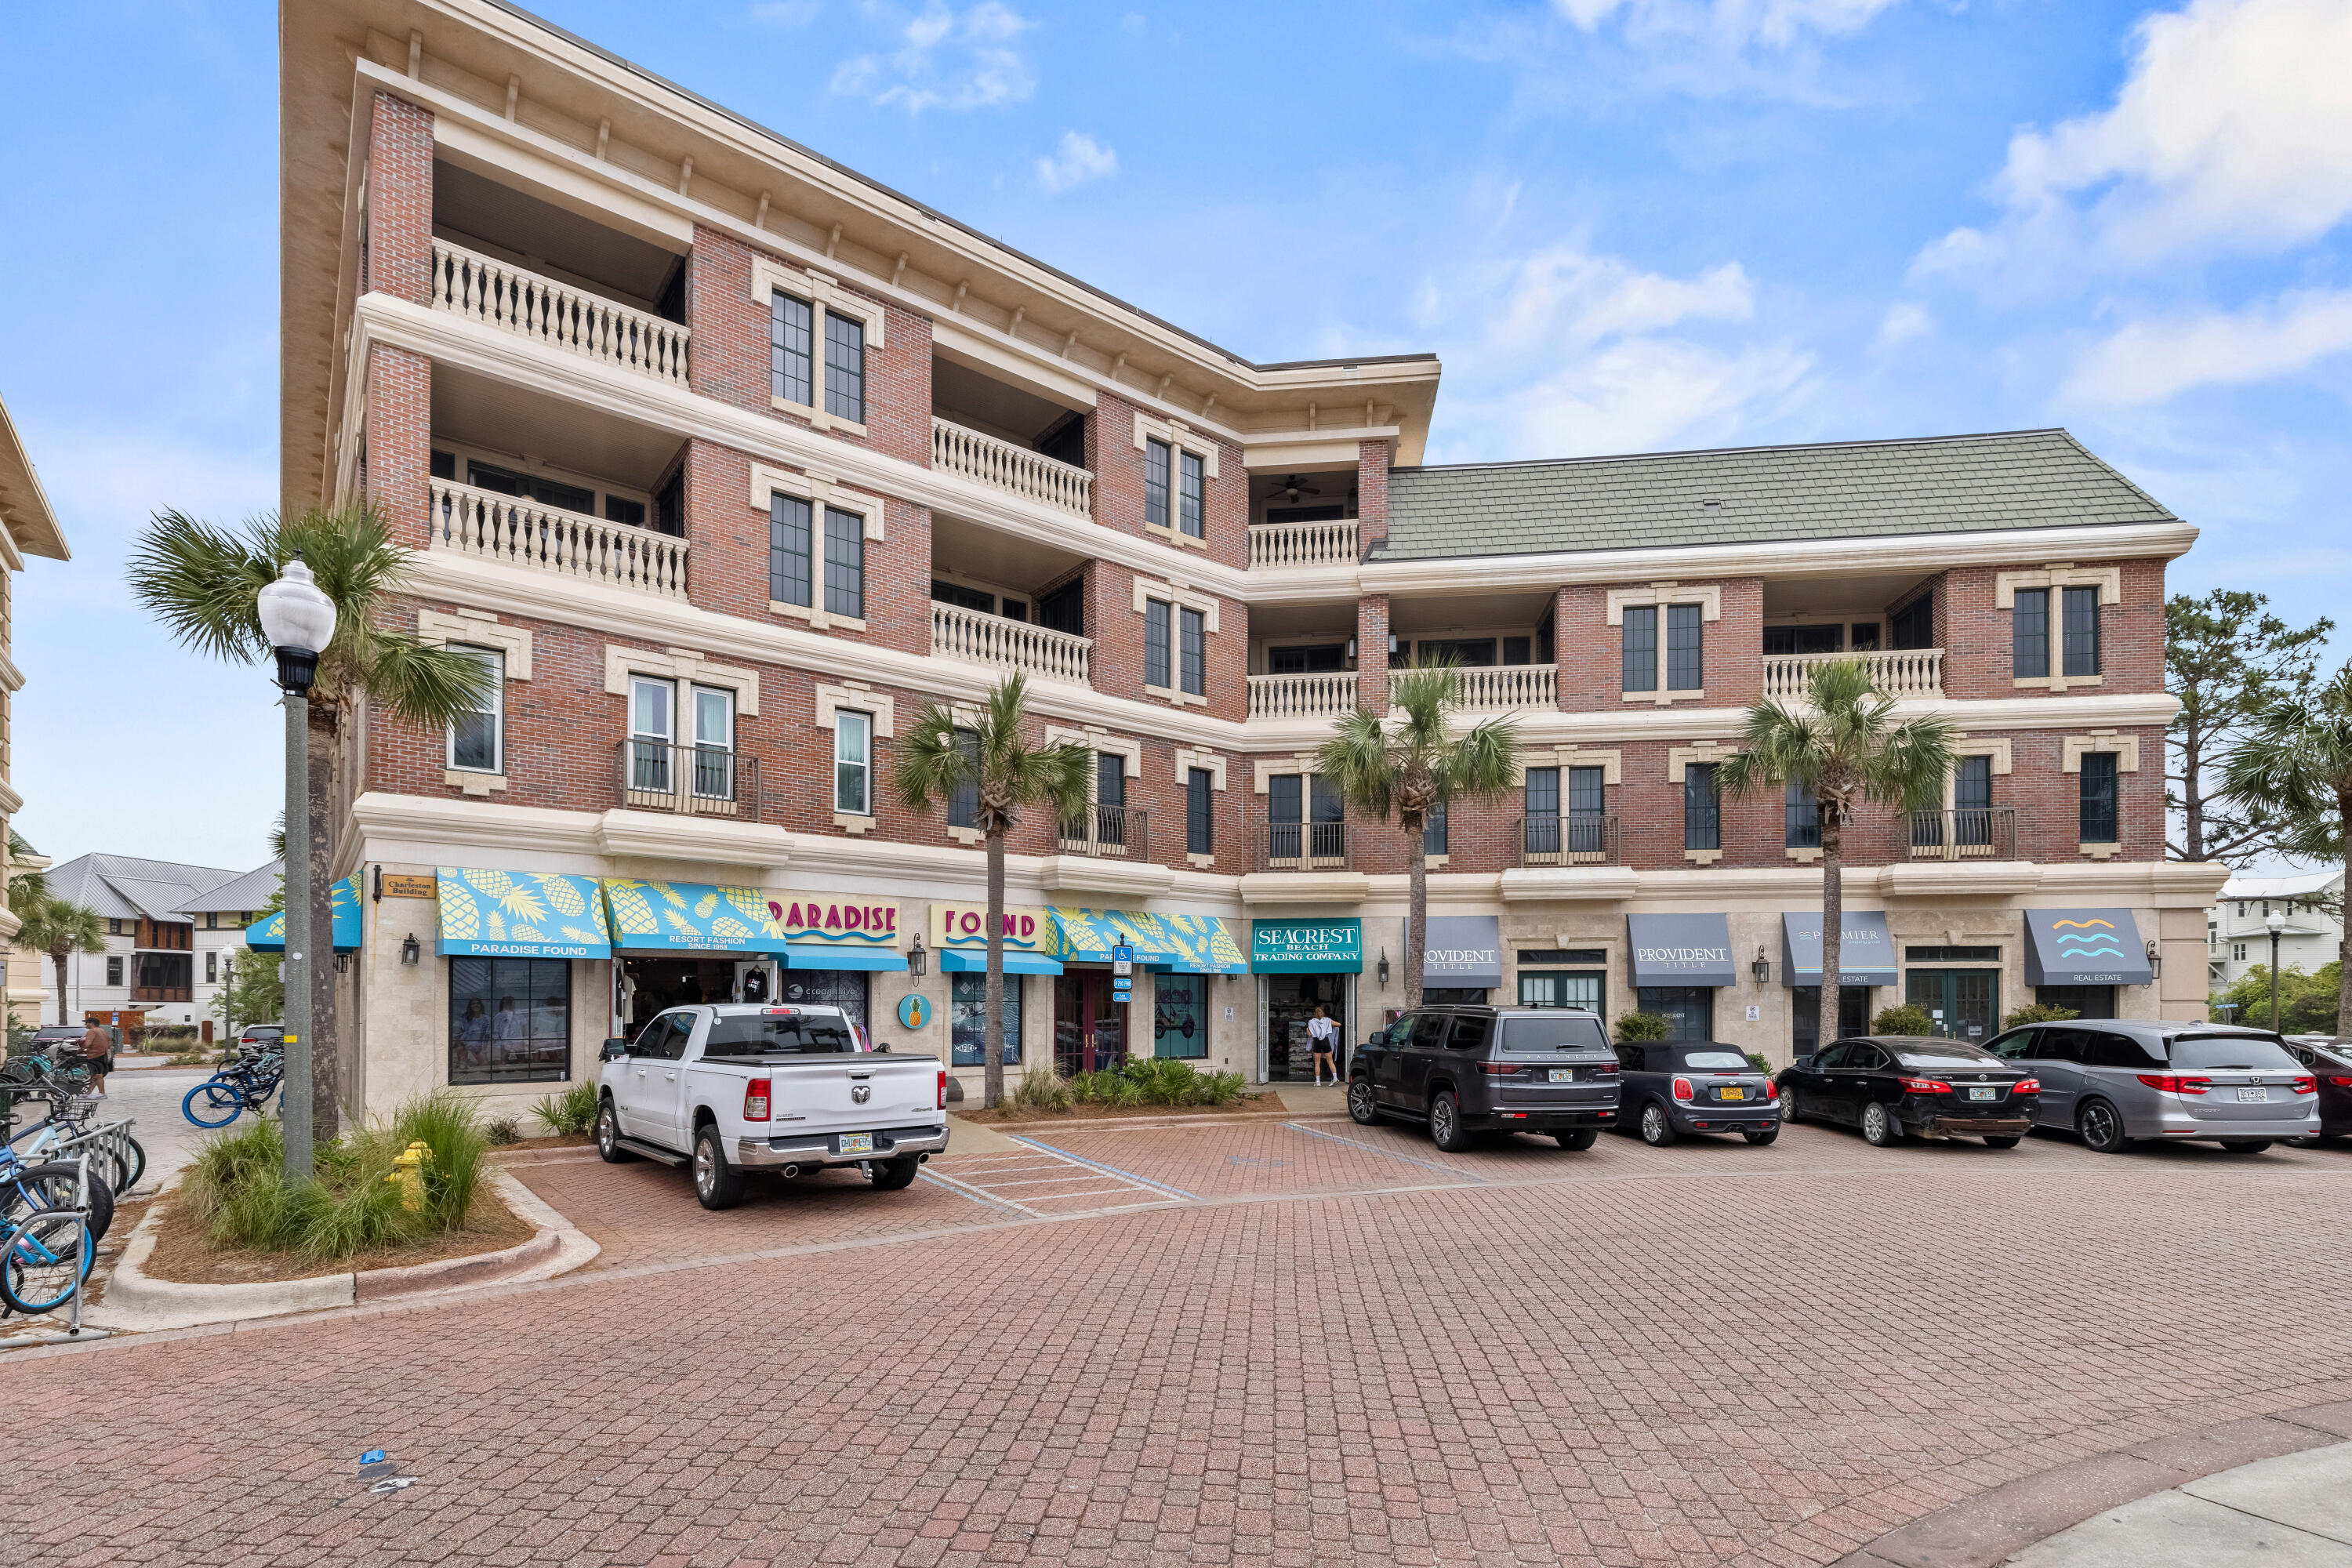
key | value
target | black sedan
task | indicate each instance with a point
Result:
(1891, 1085)
(2330, 1062)
(1694, 1085)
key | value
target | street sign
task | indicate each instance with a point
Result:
(1122, 960)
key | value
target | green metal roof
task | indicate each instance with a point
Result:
(1949, 484)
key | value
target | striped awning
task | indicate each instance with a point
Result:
(270, 935)
(1184, 944)
(520, 914)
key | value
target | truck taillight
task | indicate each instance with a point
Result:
(755, 1100)
(943, 1089)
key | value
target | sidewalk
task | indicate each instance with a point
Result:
(2293, 1512)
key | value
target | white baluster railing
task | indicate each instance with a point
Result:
(516, 531)
(1313, 696)
(499, 294)
(1904, 672)
(980, 638)
(1005, 467)
(1303, 543)
(1510, 686)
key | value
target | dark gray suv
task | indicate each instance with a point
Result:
(1473, 1070)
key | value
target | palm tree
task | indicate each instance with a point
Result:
(60, 929)
(25, 888)
(202, 581)
(2295, 760)
(995, 767)
(1845, 749)
(1410, 768)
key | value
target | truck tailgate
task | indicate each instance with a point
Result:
(822, 1094)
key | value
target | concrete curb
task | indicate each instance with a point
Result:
(137, 1301)
(1991, 1527)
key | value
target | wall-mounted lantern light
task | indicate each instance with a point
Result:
(410, 952)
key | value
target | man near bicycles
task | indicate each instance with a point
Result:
(98, 1057)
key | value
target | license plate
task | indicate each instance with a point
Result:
(1732, 1093)
(2252, 1094)
(857, 1143)
(1984, 1094)
(1563, 1075)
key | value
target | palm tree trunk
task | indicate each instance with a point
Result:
(58, 959)
(1416, 919)
(325, 1037)
(993, 1028)
(1833, 924)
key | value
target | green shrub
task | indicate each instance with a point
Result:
(2038, 1012)
(570, 1113)
(1642, 1027)
(452, 1128)
(1041, 1089)
(1220, 1087)
(1910, 1018)
(1757, 1060)
(506, 1129)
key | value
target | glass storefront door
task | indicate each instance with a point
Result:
(1805, 1014)
(1290, 1002)
(1964, 1003)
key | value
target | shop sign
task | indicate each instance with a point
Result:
(914, 1010)
(1307, 946)
(1026, 928)
(1680, 949)
(1462, 952)
(404, 887)
(809, 919)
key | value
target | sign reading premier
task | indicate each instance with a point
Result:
(1680, 949)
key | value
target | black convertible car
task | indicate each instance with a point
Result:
(1694, 1085)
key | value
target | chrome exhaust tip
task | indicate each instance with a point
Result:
(924, 1158)
(790, 1171)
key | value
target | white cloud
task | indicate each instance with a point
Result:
(2234, 130)
(1577, 353)
(2148, 362)
(1903, 321)
(946, 59)
(1733, 23)
(1079, 159)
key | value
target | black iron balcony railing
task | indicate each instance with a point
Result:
(1117, 832)
(1305, 847)
(698, 780)
(1973, 833)
(1578, 838)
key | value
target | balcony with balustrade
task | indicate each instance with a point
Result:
(977, 637)
(1901, 673)
(528, 535)
(1575, 838)
(689, 780)
(985, 429)
(1108, 833)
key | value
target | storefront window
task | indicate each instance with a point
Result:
(842, 988)
(1688, 1010)
(510, 1020)
(1805, 1015)
(968, 1019)
(1584, 988)
(1179, 1017)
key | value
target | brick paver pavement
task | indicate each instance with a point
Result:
(1342, 1347)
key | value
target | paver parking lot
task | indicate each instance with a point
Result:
(1267, 1343)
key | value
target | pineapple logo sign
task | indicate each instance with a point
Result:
(914, 1012)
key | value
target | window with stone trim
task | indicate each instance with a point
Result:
(1191, 510)
(1640, 647)
(2029, 634)
(845, 367)
(1193, 651)
(2101, 811)
(1155, 642)
(844, 562)
(1686, 646)
(1200, 815)
(790, 325)
(852, 762)
(477, 740)
(1702, 807)
(2079, 632)
(1156, 455)
(789, 581)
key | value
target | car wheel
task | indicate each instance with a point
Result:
(716, 1183)
(1788, 1112)
(608, 1134)
(2246, 1145)
(2008, 1140)
(2101, 1128)
(1361, 1109)
(1759, 1135)
(1578, 1138)
(1879, 1128)
(1445, 1129)
(889, 1175)
(1657, 1127)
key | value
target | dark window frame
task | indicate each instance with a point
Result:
(1157, 614)
(1158, 457)
(2099, 817)
(844, 563)
(2029, 632)
(845, 367)
(1702, 807)
(791, 349)
(1200, 812)
(1638, 649)
(1192, 494)
(1193, 651)
(791, 522)
(471, 1052)
(2079, 632)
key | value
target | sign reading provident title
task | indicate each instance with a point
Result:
(1463, 952)
(1680, 949)
(1306, 947)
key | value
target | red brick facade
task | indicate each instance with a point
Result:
(399, 200)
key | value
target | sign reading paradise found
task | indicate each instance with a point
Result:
(1300, 947)
(695, 917)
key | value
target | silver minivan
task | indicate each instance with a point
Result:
(2118, 1081)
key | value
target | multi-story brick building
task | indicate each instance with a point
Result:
(732, 461)
(28, 527)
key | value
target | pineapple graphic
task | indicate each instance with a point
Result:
(460, 916)
(563, 897)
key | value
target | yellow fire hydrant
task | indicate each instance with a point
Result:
(408, 1171)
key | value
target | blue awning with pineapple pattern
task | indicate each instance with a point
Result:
(270, 935)
(521, 914)
(1184, 944)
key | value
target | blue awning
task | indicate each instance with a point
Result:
(520, 914)
(953, 961)
(1087, 936)
(270, 935)
(831, 955)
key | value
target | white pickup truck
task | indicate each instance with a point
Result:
(744, 1087)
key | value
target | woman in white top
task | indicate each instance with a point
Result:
(1319, 1032)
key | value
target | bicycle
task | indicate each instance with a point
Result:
(37, 1269)
(121, 1160)
(241, 1086)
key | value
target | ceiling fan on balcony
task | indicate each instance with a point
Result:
(1291, 487)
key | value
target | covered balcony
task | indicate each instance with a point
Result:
(1889, 624)
(1009, 438)
(1306, 519)
(1302, 661)
(514, 262)
(987, 606)
(1500, 646)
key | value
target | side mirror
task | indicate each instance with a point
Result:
(614, 1050)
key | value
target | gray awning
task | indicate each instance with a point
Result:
(1865, 949)
(1462, 952)
(2084, 947)
(1681, 950)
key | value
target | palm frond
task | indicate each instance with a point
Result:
(420, 683)
(1484, 764)
(202, 583)
(1777, 744)
(1424, 697)
(933, 761)
(1910, 765)
(1361, 763)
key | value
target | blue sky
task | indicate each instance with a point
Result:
(1626, 225)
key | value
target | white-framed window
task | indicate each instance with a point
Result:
(714, 742)
(477, 740)
(853, 761)
(656, 750)
(653, 728)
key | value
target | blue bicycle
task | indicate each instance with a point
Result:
(241, 1086)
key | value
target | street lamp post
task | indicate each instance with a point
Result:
(298, 620)
(2277, 924)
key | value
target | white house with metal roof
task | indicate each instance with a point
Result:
(169, 930)
(2237, 928)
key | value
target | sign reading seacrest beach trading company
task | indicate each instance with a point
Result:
(401, 887)
(1330, 947)
(1865, 949)
(2085, 947)
(1026, 928)
(1680, 949)
(1463, 952)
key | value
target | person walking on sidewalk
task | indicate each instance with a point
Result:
(1320, 1031)
(97, 1055)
